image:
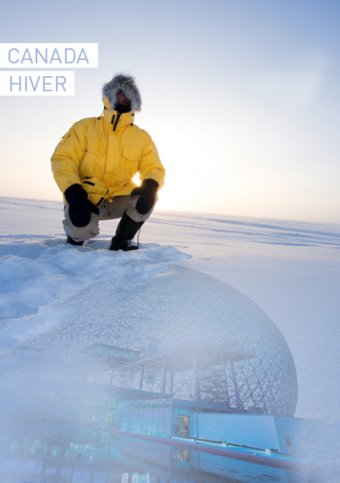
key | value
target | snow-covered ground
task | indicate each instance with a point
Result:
(290, 269)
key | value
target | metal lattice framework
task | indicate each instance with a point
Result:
(220, 348)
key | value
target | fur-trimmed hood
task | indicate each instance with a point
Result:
(126, 84)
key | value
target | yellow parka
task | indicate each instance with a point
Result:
(103, 154)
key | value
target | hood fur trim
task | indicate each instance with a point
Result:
(126, 84)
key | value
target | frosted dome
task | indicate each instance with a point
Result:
(184, 335)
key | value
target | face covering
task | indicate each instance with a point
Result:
(121, 108)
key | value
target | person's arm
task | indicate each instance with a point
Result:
(151, 172)
(150, 166)
(68, 155)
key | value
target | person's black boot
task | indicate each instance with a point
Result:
(126, 230)
(70, 241)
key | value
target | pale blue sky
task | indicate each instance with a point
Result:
(240, 96)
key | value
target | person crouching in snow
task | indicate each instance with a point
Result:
(94, 164)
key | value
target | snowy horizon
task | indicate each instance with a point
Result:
(198, 213)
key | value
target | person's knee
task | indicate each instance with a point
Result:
(81, 233)
(134, 214)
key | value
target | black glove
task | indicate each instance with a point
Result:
(80, 207)
(147, 193)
